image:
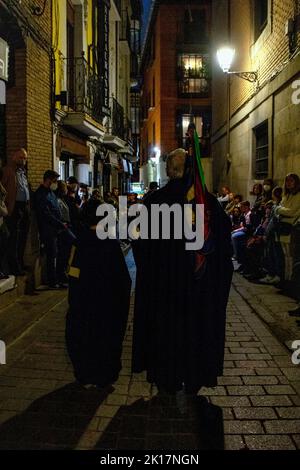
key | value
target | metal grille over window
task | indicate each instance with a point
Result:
(261, 151)
(193, 74)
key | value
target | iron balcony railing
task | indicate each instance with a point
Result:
(117, 119)
(194, 81)
(86, 90)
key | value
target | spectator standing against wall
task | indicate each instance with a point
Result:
(16, 185)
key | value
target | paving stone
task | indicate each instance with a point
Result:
(243, 427)
(243, 350)
(212, 391)
(238, 372)
(259, 356)
(230, 381)
(282, 426)
(233, 442)
(268, 371)
(269, 442)
(259, 413)
(280, 390)
(251, 364)
(230, 401)
(245, 390)
(296, 439)
(261, 380)
(289, 413)
(235, 357)
(271, 400)
(116, 399)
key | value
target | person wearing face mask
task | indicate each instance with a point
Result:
(50, 222)
(73, 201)
(17, 201)
(83, 194)
(268, 186)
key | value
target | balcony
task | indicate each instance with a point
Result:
(86, 96)
(116, 135)
(193, 76)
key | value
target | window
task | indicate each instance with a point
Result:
(261, 136)
(193, 74)
(260, 16)
(100, 51)
(202, 121)
(195, 26)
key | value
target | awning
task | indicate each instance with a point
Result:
(75, 147)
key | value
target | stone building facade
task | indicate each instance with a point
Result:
(264, 137)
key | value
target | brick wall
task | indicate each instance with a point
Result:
(268, 55)
(28, 119)
(169, 16)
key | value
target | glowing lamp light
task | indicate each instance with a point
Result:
(225, 57)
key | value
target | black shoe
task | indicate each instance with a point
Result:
(53, 287)
(63, 285)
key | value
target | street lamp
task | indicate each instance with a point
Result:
(225, 57)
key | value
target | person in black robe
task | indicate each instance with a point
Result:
(99, 296)
(179, 319)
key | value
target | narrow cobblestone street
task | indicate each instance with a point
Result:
(256, 404)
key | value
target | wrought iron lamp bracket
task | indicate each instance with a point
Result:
(249, 76)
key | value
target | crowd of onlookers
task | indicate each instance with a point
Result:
(266, 234)
(60, 208)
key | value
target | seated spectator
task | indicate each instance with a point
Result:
(255, 247)
(241, 234)
(235, 217)
(224, 198)
(268, 186)
(257, 211)
(230, 205)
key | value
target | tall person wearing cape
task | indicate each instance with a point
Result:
(181, 296)
(99, 296)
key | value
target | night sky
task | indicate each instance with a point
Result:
(146, 4)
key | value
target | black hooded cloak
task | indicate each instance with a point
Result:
(99, 295)
(179, 321)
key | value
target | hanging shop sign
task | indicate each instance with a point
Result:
(4, 49)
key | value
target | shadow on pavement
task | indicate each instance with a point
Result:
(158, 424)
(54, 421)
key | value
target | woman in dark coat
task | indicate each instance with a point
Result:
(99, 295)
(179, 321)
